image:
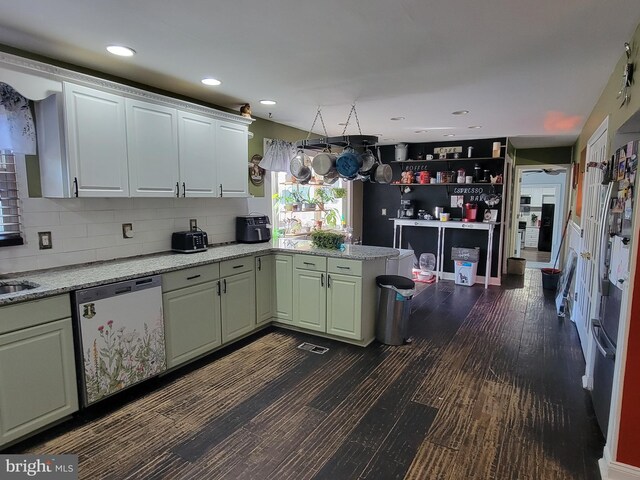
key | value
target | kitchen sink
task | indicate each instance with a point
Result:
(13, 287)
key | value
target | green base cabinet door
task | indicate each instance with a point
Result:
(238, 302)
(265, 288)
(344, 306)
(310, 300)
(283, 305)
(192, 322)
(37, 378)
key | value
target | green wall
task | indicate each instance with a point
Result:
(541, 156)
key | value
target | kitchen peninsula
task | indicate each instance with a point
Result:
(210, 299)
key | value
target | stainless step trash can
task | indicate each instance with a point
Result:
(394, 307)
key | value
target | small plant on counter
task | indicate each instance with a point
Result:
(326, 239)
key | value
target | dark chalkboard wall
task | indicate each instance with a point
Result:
(377, 229)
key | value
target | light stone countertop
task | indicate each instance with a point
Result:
(66, 279)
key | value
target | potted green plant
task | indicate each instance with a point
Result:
(286, 199)
(297, 200)
(308, 202)
(326, 239)
(340, 192)
(322, 196)
(331, 217)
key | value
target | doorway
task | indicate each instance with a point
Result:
(539, 213)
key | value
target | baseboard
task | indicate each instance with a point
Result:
(479, 279)
(610, 470)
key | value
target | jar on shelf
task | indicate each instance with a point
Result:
(461, 175)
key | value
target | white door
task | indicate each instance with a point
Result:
(232, 151)
(152, 142)
(197, 142)
(96, 142)
(587, 274)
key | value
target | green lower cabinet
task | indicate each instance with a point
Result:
(265, 288)
(238, 305)
(192, 322)
(37, 378)
(310, 300)
(344, 306)
(283, 304)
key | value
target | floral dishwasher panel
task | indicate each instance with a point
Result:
(122, 341)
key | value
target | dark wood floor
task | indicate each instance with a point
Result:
(490, 389)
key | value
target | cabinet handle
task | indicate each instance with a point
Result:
(259, 264)
(218, 287)
(322, 279)
(220, 189)
(177, 190)
(193, 277)
(224, 283)
(75, 186)
(328, 281)
(343, 268)
(309, 263)
(239, 266)
(184, 190)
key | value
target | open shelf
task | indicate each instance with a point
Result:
(477, 159)
(484, 184)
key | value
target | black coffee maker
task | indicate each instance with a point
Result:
(407, 209)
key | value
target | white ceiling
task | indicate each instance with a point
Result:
(527, 69)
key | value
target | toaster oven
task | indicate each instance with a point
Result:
(189, 241)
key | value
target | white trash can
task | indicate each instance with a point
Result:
(465, 272)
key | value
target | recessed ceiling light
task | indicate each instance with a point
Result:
(121, 50)
(475, 126)
(395, 119)
(268, 102)
(211, 81)
(449, 135)
(460, 112)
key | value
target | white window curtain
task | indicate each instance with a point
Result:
(278, 155)
(17, 130)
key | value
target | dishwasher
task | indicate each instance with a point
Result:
(119, 335)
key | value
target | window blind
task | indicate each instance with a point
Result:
(10, 224)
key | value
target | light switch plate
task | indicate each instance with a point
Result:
(193, 224)
(44, 240)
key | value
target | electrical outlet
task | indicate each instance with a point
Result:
(384, 211)
(193, 224)
(127, 230)
(44, 240)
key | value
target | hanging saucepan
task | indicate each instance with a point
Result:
(383, 173)
(324, 163)
(331, 177)
(348, 163)
(368, 162)
(298, 162)
(304, 175)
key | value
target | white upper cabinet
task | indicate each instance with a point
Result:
(197, 144)
(98, 138)
(232, 150)
(96, 141)
(152, 141)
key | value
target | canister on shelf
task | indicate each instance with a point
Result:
(461, 175)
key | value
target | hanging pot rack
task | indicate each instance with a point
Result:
(359, 141)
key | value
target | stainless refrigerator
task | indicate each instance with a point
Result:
(613, 271)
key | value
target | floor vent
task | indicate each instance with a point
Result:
(310, 347)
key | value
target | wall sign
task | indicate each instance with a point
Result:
(445, 150)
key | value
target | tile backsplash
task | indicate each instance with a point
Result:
(90, 229)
